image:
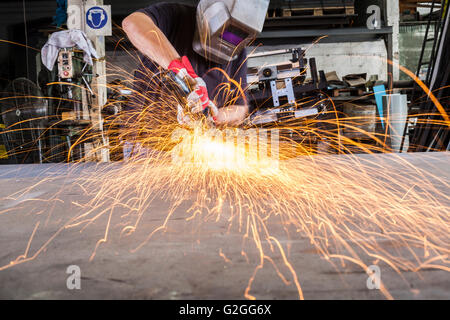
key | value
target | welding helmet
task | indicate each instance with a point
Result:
(226, 27)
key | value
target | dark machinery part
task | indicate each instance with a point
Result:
(69, 109)
(282, 98)
(281, 93)
(25, 114)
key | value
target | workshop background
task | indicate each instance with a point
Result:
(356, 206)
(348, 39)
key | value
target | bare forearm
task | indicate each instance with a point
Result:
(148, 39)
(232, 115)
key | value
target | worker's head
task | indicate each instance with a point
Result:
(226, 27)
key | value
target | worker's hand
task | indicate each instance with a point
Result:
(232, 115)
(198, 98)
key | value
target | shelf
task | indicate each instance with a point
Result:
(296, 21)
(278, 37)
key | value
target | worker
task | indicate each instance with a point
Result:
(202, 43)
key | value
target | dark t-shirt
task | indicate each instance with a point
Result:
(178, 23)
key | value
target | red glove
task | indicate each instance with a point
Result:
(183, 68)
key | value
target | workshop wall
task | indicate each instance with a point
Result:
(344, 58)
(351, 57)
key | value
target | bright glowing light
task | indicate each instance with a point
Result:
(346, 206)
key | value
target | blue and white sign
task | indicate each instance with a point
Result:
(98, 20)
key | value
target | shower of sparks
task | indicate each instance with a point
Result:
(346, 206)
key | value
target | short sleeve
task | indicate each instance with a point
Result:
(162, 15)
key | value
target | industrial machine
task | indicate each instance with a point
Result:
(44, 121)
(281, 96)
(24, 113)
(69, 110)
(278, 93)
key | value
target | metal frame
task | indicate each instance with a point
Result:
(285, 37)
(425, 107)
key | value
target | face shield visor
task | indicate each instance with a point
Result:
(225, 28)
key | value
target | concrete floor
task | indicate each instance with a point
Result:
(183, 263)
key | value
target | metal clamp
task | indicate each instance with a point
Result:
(287, 91)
